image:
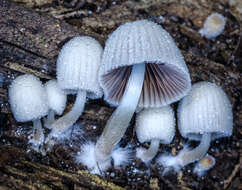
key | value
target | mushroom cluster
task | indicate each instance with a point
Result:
(140, 69)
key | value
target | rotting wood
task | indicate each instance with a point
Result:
(29, 42)
(230, 178)
(30, 175)
(31, 54)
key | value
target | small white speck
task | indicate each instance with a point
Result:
(22, 29)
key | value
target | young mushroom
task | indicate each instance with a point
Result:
(28, 101)
(213, 26)
(77, 73)
(156, 125)
(141, 66)
(203, 165)
(56, 101)
(204, 114)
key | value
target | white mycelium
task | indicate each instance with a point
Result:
(156, 125)
(213, 26)
(86, 156)
(204, 114)
(77, 73)
(141, 66)
(56, 101)
(28, 101)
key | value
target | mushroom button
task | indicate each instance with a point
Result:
(28, 101)
(203, 165)
(204, 114)
(141, 66)
(56, 101)
(155, 125)
(77, 70)
(213, 26)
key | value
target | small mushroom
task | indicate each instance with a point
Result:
(141, 66)
(213, 26)
(203, 165)
(77, 73)
(156, 125)
(204, 114)
(56, 101)
(28, 101)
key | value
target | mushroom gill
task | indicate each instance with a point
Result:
(163, 84)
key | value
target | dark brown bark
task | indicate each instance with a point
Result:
(29, 42)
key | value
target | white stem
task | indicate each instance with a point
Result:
(38, 134)
(64, 123)
(150, 153)
(50, 119)
(119, 121)
(187, 157)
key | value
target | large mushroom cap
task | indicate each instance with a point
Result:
(206, 109)
(56, 97)
(156, 124)
(78, 64)
(27, 98)
(167, 77)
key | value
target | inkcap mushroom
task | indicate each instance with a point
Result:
(213, 26)
(203, 165)
(156, 125)
(28, 101)
(77, 73)
(141, 66)
(204, 114)
(56, 101)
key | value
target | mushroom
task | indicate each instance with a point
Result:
(56, 101)
(28, 101)
(141, 66)
(77, 73)
(204, 114)
(203, 165)
(213, 26)
(155, 125)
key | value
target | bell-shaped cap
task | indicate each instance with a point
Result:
(56, 97)
(206, 109)
(27, 97)
(156, 124)
(167, 78)
(78, 65)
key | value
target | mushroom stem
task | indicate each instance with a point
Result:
(149, 154)
(187, 157)
(119, 121)
(38, 134)
(64, 123)
(50, 119)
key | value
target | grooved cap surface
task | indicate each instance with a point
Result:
(78, 65)
(206, 109)
(167, 78)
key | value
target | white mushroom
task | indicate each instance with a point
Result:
(141, 66)
(28, 101)
(213, 26)
(56, 101)
(77, 73)
(156, 125)
(203, 165)
(204, 114)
